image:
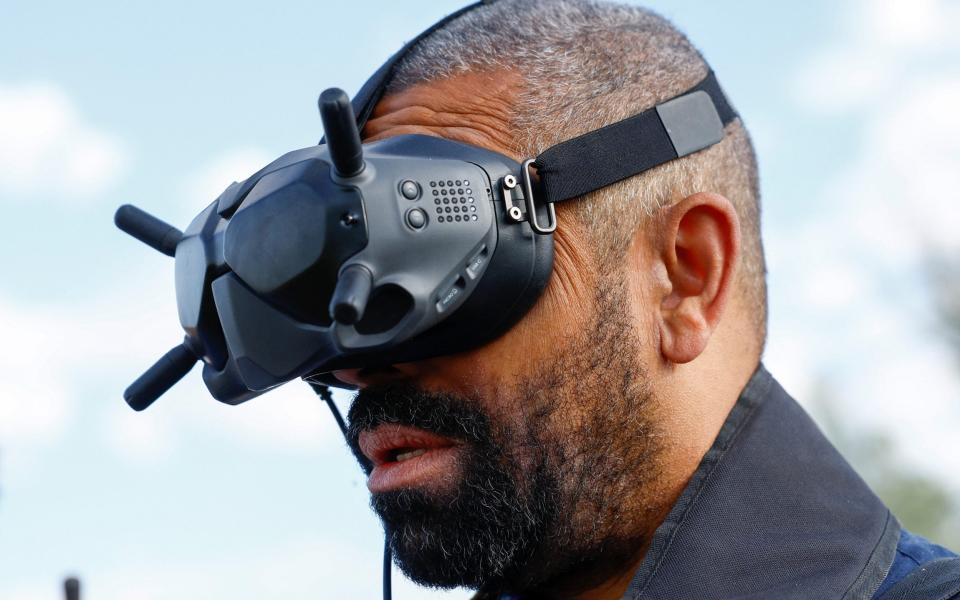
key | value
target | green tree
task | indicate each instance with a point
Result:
(944, 275)
(922, 503)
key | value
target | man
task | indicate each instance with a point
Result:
(622, 440)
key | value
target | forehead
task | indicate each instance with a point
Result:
(473, 107)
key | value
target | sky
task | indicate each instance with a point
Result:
(853, 109)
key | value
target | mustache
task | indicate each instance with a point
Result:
(448, 415)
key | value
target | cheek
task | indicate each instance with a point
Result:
(647, 284)
(549, 327)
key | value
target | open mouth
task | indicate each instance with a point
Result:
(407, 454)
(406, 457)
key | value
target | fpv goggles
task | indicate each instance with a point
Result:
(348, 255)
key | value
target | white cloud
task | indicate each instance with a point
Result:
(137, 437)
(289, 419)
(906, 23)
(34, 402)
(47, 148)
(838, 79)
(834, 286)
(884, 44)
(917, 147)
(849, 299)
(206, 183)
(49, 351)
(914, 397)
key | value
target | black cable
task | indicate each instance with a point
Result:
(387, 569)
(324, 393)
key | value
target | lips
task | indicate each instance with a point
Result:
(406, 457)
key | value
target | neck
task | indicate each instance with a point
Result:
(605, 579)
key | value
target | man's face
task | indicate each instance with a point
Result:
(515, 483)
(512, 464)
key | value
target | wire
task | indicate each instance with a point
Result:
(324, 393)
(387, 569)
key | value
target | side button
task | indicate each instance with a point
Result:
(416, 218)
(475, 264)
(410, 190)
(449, 297)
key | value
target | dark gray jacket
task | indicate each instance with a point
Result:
(774, 512)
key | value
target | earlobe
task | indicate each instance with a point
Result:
(700, 252)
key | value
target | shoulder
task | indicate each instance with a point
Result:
(938, 579)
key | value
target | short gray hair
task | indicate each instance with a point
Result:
(585, 64)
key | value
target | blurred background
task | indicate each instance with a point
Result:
(853, 106)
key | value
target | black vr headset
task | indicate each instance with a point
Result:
(350, 255)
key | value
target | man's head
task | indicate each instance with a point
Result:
(554, 451)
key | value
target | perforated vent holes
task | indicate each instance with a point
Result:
(453, 201)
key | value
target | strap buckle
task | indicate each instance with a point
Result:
(551, 225)
(509, 184)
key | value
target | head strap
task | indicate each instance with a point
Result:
(689, 122)
(680, 126)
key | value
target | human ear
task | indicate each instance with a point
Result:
(698, 249)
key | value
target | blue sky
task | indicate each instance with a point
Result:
(852, 106)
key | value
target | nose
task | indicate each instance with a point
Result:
(364, 377)
(350, 377)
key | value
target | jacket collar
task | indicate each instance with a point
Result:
(773, 511)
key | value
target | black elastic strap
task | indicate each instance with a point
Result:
(711, 86)
(626, 148)
(596, 159)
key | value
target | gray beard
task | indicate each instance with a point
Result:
(539, 507)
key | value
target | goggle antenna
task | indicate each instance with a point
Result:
(150, 230)
(341, 133)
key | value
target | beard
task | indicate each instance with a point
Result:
(547, 497)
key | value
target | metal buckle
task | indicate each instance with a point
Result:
(531, 208)
(508, 184)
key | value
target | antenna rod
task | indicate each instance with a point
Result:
(159, 378)
(148, 229)
(351, 295)
(71, 588)
(340, 129)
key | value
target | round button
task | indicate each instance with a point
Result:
(410, 190)
(416, 218)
